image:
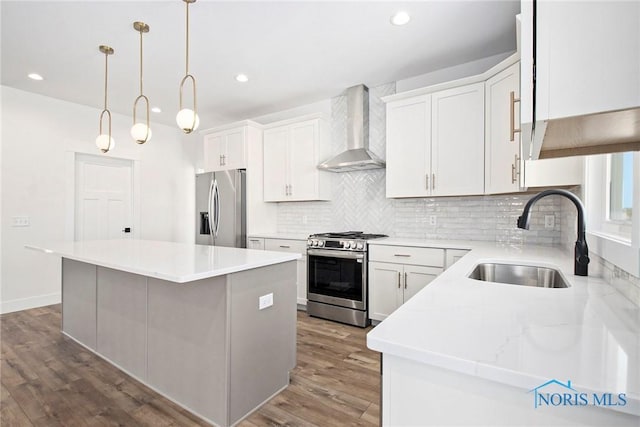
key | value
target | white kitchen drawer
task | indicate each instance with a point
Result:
(285, 245)
(255, 243)
(432, 257)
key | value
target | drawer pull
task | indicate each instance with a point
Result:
(285, 246)
(403, 255)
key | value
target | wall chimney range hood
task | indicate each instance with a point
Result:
(357, 156)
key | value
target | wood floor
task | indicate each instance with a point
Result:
(49, 380)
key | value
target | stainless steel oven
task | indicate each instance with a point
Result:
(337, 285)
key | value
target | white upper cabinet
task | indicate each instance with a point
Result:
(409, 147)
(226, 149)
(457, 141)
(502, 142)
(435, 143)
(291, 155)
(587, 57)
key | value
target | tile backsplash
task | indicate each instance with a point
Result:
(359, 203)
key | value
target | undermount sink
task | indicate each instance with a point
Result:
(523, 275)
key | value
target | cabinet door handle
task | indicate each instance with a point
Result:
(405, 280)
(399, 279)
(290, 189)
(224, 160)
(220, 160)
(512, 116)
(426, 184)
(433, 181)
(515, 169)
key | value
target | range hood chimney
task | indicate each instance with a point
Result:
(357, 156)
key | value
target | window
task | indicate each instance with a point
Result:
(618, 207)
(620, 187)
(612, 194)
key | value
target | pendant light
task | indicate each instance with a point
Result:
(188, 119)
(141, 132)
(104, 141)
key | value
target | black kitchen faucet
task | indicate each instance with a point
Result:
(581, 252)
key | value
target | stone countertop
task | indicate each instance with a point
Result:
(175, 262)
(521, 336)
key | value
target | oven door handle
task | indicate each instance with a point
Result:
(335, 254)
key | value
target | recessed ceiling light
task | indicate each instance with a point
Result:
(34, 76)
(156, 110)
(400, 18)
(242, 78)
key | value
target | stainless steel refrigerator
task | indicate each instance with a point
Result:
(221, 208)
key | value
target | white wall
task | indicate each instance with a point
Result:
(451, 73)
(38, 135)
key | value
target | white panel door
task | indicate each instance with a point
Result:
(214, 148)
(235, 156)
(409, 147)
(385, 289)
(275, 164)
(417, 277)
(303, 162)
(103, 198)
(457, 141)
(502, 154)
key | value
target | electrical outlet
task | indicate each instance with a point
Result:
(549, 221)
(20, 221)
(265, 301)
(432, 220)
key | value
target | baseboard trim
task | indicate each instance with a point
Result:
(31, 302)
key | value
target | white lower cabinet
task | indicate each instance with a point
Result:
(453, 256)
(394, 284)
(290, 245)
(255, 243)
(396, 273)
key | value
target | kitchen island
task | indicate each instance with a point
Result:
(211, 328)
(468, 352)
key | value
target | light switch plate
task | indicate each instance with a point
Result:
(265, 301)
(20, 221)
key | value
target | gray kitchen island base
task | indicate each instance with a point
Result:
(205, 344)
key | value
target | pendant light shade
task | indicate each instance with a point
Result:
(187, 118)
(105, 141)
(140, 131)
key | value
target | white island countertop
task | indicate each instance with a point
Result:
(521, 336)
(175, 262)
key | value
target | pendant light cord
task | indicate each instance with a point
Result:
(141, 91)
(187, 42)
(106, 71)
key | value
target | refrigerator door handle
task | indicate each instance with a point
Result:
(210, 210)
(216, 207)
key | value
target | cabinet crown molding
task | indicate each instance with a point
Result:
(478, 78)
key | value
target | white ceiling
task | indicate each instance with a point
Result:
(294, 53)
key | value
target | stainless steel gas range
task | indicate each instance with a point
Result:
(337, 286)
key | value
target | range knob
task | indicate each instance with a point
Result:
(309, 242)
(321, 243)
(346, 245)
(350, 245)
(360, 246)
(314, 243)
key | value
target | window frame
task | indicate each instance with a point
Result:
(604, 235)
